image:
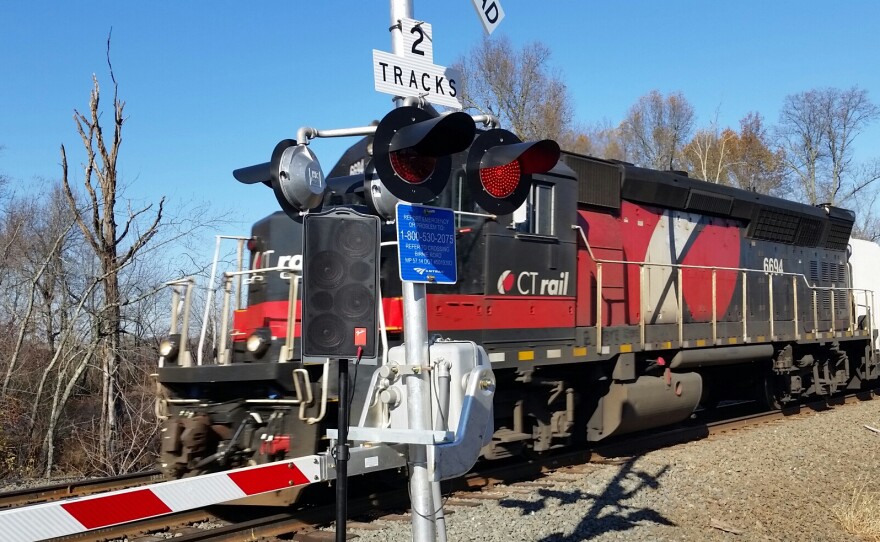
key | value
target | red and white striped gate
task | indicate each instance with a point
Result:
(61, 518)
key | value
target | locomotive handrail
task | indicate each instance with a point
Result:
(293, 276)
(281, 268)
(680, 316)
(325, 384)
(706, 267)
(241, 240)
(187, 283)
(222, 356)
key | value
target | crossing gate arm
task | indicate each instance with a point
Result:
(72, 516)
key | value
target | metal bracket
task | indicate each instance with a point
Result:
(475, 429)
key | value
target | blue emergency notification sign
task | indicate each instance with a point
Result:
(426, 244)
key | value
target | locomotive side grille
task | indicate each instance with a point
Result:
(598, 182)
(838, 236)
(825, 278)
(774, 225)
(809, 232)
(789, 228)
(709, 203)
(828, 274)
(840, 281)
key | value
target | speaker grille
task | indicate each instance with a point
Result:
(340, 284)
(326, 332)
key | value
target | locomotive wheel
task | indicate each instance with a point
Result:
(710, 397)
(769, 392)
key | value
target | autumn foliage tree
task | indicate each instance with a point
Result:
(755, 163)
(743, 158)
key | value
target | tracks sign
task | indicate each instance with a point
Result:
(414, 73)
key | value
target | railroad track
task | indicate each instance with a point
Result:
(310, 523)
(79, 488)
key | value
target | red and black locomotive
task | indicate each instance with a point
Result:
(616, 299)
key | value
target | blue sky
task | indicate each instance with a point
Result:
(212, 86)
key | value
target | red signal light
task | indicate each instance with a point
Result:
(411, 166)
(500, 181)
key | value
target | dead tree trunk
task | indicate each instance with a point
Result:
(98, 225)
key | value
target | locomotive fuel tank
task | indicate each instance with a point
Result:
(644, 403)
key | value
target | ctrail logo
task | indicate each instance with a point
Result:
(529, 283)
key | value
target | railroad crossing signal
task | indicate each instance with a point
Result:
(296, 177)
(293, 174)
(412, 148)
(500, 166)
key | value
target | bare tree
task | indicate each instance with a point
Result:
(81, 272)
(863, 198)
(517, 87)
(656, 129)
(113, 248)
(708, 155)
(743, 159)
(816, 130)
(38, 285)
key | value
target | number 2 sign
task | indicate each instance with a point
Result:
(418, 40)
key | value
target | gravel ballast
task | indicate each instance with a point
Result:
(779, 481)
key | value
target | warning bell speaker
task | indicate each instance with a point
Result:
(340, 284)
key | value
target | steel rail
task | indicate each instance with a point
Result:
(79, 488)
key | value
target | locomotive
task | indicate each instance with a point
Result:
(615, 299)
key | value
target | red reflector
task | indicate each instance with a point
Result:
(500, 181)
(268, 478)
(113, 509)
(412, 167)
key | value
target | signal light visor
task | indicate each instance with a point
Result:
(540, 157)
(412, 151)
